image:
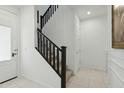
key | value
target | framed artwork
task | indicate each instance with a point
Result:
(118, 26)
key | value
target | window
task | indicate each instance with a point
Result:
(5, 43)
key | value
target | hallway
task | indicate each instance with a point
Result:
(88, 78)
(77, 38)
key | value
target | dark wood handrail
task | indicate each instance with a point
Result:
(48, 38)
(47, 10)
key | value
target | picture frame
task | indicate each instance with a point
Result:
(118, 26)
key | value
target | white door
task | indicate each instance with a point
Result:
(94, 42)
(8, 45)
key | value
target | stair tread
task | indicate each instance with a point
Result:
(68, 74)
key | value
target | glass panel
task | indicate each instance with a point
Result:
(5, 43)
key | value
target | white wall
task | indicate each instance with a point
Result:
(33, 65)
(116, 59)
(60, 29)
(93, 41)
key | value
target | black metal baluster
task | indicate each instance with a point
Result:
(54, 56)
(41, 25)
(42, 21)
(46, 49)
(38, 40)
(37, 16)
(46, 16)
(49, 14)
(43, 46)
(58, 61)
(50, 53)
(53, 9)
(63, 69)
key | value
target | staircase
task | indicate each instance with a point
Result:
(54, 55)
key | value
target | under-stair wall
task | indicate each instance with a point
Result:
(33, 65)
(60, 29)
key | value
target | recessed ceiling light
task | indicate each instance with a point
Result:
(88, 12)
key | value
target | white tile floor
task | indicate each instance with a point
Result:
(85, 78)
(88, 78)
(20, 83)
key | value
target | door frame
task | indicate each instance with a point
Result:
(77, 42)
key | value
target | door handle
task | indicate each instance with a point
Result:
(13, 54)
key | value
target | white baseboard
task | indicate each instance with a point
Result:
(94, 67)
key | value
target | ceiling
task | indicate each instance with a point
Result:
(96, 10)
(80, 10)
